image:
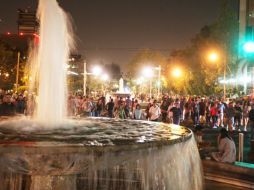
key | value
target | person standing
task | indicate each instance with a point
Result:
(127, 106)
(195, 109)
(99, 107)
(230, 114)
(238, 116)
(176, 110)
(8, 107)
(245, 115)
(221, 108)
(138, 112)
(202, 111)
(164, 111)
(20, 104)
(110, 108)
(149, 105)
(154, 112)
(169, 112)
(121, 111)
(214, 114)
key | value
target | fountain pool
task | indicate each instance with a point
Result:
(97, 153)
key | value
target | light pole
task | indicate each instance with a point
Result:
(96, 72)
(159, 80)
(248, 48)
(17, 73)
(148, 73)
(105, 78)
(84, 84)
(224, 77)
(214, 57)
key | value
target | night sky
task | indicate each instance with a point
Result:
(113, 30)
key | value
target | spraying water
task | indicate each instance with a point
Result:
(53, 53)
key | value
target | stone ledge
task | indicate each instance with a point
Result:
(229, 173)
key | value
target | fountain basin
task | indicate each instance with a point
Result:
(100, 154)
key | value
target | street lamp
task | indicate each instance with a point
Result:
(148, 73)
(105, 77)
(177, 72)
(159, 79)
(97, 70)
(213, 57)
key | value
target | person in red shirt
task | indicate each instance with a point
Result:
(214, 114)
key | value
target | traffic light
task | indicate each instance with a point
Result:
(248, 47)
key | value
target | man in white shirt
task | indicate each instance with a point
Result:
(154, 112)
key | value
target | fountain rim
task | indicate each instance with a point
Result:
(80, 148)
(33, 146)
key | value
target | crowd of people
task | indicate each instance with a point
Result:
(234, 114)
(12, 104)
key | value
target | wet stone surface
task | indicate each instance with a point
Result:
(90, 132)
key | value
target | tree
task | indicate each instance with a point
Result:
(201, 76)
(7, 67)
(145, 58)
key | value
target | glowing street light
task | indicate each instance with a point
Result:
(177, 72)
(105, 77)
(213, 57)
(147, 72)
(97, 70)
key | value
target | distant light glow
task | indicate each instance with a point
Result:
(71, 73)
(177, 72)
(147, 72)
(213, 56)
(240, 80)
(249, 47)
(245, 79)
(105, 77)
(97, 70)
(158, 83)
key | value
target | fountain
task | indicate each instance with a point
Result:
(54, 152)
(121, 86)
(121, 92)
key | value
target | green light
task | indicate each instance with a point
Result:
(244, 164)
(249, 47)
